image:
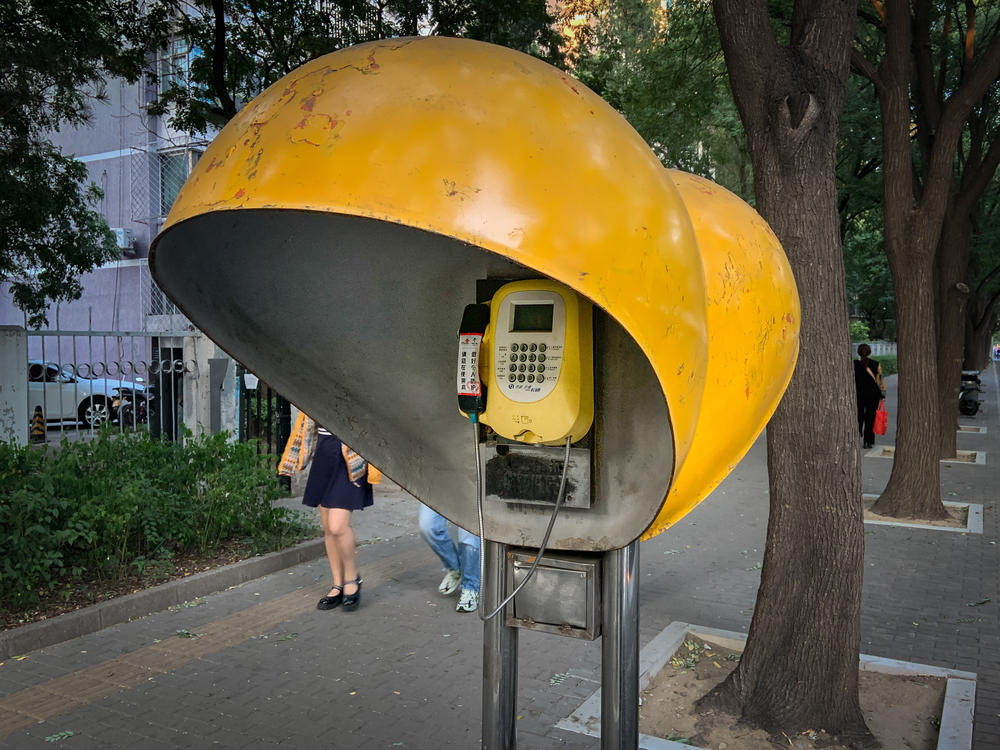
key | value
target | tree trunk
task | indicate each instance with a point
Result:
(952, 296)
(914, 488)
(800, 666)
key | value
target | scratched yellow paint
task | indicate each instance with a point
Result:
(500, 150)
(753, 338)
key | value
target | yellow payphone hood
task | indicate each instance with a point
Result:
(422, 154)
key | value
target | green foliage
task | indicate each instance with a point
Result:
(889, 364)
(53, 62)
(125, 503)
(859, 331)
(266, 39)
(869, 283)
(662, 67)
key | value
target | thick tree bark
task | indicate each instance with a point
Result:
(800, 665)
(952, 296)
(914, 489)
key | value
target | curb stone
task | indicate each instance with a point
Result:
(955, 732)
(36, 635)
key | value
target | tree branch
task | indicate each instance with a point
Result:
(219, 60)
(861, 65)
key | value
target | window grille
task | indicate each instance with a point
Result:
(173, 65)
(175, 166)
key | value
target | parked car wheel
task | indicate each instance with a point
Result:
(95, 411)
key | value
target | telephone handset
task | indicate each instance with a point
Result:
(538, 363)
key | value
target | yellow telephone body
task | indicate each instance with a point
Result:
(540, 363)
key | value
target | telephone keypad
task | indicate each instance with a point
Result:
(519, 355)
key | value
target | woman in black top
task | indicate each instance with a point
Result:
(868, 384)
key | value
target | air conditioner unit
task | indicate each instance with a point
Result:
(124, 238)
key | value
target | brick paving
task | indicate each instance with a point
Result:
(257, 666)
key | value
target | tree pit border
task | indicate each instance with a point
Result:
(978, 458)
(971, 429)
(973, 521)
(957, 713)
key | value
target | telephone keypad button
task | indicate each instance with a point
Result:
(532, 348)
(512, 377)
(521, 368)
(513, 347)
(520, 378)
(541, 357)
(541, 368)
(531, 378)
(531, 368)
(531, 357)
(541, 347)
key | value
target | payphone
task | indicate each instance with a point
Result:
(537, 356)
(329, 238)
(525, 372)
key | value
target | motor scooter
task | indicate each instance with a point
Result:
(968, 394)
(131, 408)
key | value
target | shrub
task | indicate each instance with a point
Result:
(124, 503)
(859, 331)
(890, 365)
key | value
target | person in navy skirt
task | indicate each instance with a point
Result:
(338, 485)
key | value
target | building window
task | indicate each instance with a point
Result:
(175, 166)
(173, 65)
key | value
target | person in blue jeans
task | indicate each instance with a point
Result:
(461, 562)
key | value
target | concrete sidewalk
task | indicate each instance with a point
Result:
(257, 666)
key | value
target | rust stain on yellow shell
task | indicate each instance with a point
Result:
(502, 151)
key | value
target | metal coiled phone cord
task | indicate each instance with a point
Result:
(479, 506)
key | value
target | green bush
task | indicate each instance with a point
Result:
(890, 365)
(126, 503)
(859, 331)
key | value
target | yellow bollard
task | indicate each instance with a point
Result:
(38, 426)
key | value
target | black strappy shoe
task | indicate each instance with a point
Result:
(329, 602)
(351, 601)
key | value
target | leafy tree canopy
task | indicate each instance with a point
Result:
(661, 66)
(54, 58)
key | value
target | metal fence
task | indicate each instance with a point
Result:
(264, 416)
(81, 380)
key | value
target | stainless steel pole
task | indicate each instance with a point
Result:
(499, 658)
(620, 650)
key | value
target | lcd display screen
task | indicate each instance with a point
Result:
(532, 318)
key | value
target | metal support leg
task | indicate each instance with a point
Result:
(499, 659)
(620, 650)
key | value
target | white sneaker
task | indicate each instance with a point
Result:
(469, 601)
(449, 584)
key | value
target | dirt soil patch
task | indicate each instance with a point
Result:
(82, 593)
(958, 517)
(902, 711)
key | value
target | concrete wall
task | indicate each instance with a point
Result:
(201, 393)
(13, 385)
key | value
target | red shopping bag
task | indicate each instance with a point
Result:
(881, 418)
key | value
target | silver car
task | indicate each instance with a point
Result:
(67, 396)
